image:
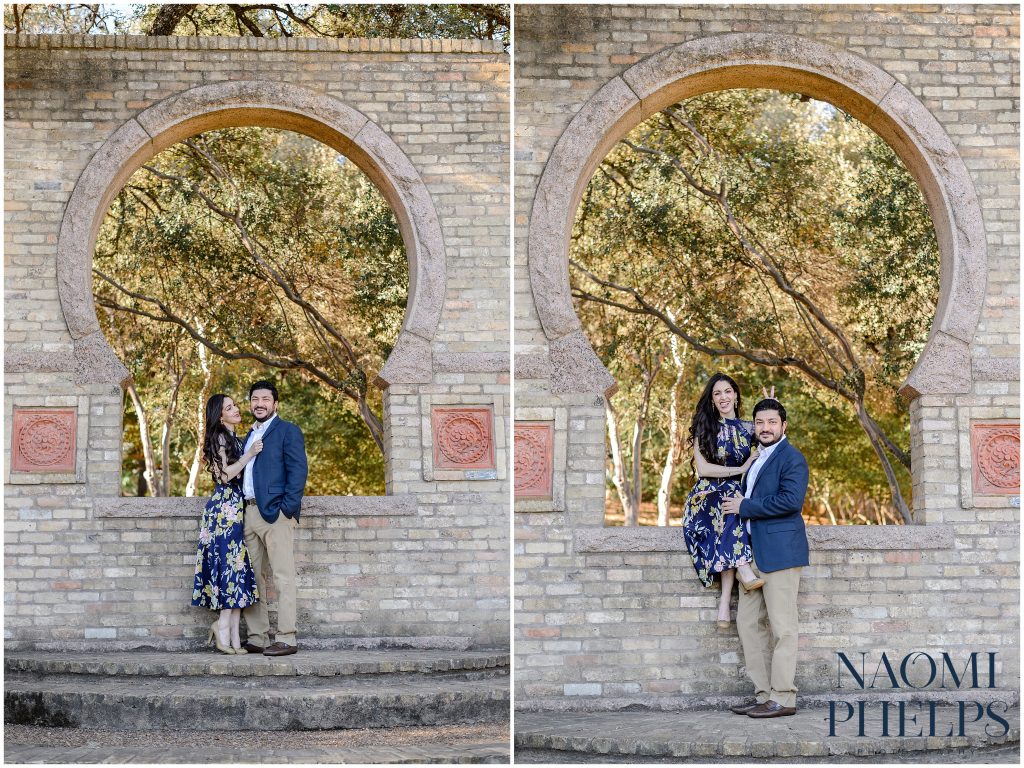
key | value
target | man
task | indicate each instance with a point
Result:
(272, 485)
(773, 495)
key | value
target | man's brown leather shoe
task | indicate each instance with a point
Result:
(742, 709)
(280, 649)
(771, 709)
(250, 648)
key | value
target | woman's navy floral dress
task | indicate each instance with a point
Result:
(719, 542)
(224, 576)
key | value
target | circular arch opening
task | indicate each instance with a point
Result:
(268, 105)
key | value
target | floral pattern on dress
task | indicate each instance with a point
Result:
(224, 577)
(719, 542)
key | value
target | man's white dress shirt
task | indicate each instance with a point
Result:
(754, 470)
(258, 430)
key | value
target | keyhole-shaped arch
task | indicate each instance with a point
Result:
(785, 63)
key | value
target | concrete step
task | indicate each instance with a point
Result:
(397, 755)
(196, 642)
(717, 701)
(721, 734)
(330, 663)
(308, 691)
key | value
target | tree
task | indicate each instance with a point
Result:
(485, 21)
(254, 245)
(772, 229)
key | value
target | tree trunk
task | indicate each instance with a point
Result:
(620, 478)
(204, 394)
(372, 422)
(167, 18)
(149, 473)
(165, 438)
(880, 451)
(676, 434)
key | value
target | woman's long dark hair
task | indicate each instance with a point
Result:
(704, 427)
(217, 436)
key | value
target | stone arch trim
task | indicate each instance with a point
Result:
(272, 105)
(783, 62)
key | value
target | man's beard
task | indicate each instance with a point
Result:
(264, 418)
(763, 444)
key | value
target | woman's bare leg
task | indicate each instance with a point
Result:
(224, 626)
(236, 616)
(746, 572)
(728, 579)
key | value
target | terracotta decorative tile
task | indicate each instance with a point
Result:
(534, 459)
(463, 437)
(43, 440)
(995, 458)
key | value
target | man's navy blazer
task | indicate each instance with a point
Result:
(279, 471)
(777, 531)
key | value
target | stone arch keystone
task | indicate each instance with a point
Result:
(786, 63)
(271, 105)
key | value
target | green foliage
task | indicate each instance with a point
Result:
(320, 231)
(489, 21)
(842, 220)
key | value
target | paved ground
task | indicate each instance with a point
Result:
(1006, 755)
(448, 744)
(701, 735)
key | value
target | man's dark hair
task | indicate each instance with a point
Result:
(768, 404)
(263, 385)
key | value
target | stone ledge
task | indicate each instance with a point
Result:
(471, 362)
(533, 366)
(20, 360)
(324, 45)
(996, 369)
(315, 506)
(820, 537)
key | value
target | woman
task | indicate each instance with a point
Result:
(224, 580)
(719, 544)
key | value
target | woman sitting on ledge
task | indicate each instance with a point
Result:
(722, 451)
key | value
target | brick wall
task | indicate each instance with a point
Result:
(605, 617)
(430, 559)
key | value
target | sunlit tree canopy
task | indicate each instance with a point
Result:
(777, 238)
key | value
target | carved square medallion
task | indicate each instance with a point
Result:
(43, 440)
(534, 459)
(463, 437)
(995, 458)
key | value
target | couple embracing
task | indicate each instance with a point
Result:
(742, 522)
(250, 520)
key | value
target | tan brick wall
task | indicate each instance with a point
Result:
(627, 621)
(75, 574)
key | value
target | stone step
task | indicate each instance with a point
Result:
(307, 691)
(713, 701)
(397, 755)
(423, 642)
(721, 734)
(303, 664)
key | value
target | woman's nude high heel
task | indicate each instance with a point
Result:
(214, 640)
(750, 585)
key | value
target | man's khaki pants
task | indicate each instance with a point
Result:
(773, 606)
(274, 542)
